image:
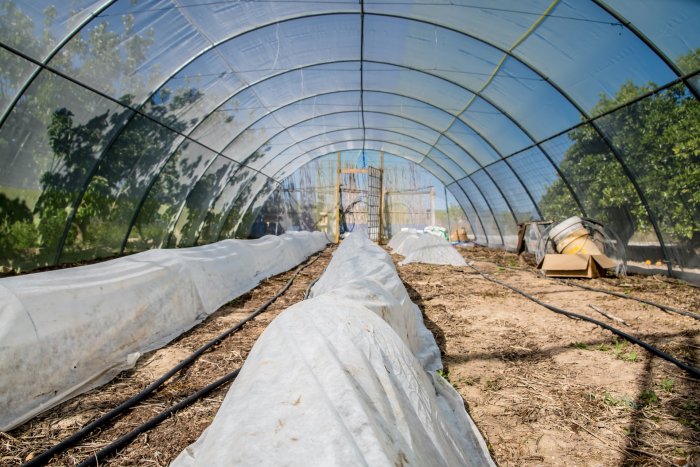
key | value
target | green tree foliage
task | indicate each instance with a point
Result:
(659, 139)
(54, 142)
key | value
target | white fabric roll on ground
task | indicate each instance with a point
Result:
(344, 378)
(65, 332)
(425, 248)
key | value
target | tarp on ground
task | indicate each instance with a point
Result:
(419, 247)
(67, 331)
(344, 378)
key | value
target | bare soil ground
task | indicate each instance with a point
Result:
(545, 389)
(161, 445)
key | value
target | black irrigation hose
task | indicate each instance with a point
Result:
(641, 300)
(307, 292)
(73, 439)
(694, 372)
(616, 294)
(113, 447)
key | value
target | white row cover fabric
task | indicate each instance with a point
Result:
(418, 247)
(65, 332)
(344, 378)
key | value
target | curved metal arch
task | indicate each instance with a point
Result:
(337, 131)
(352, 140)
(52, 53)
(296, 18)
(425, 168)
(313, 136)
(640, 193)
(372, 140)
(577, 106)
(487, 202)
(216, 197)
(454, 181)
(649, 43)
(374, 91)
(431, 75)
(328, 114)
(439, 165)
(403, 118)
(471, 128)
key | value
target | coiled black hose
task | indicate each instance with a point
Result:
(694, 372)
(45, 456)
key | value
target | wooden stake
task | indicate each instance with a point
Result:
(608, 315)
(381, 196)
(337, 204)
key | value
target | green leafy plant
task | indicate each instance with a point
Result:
(613, 401)
(492, 385)
(648, 397)
(445, 374)
(667, 384)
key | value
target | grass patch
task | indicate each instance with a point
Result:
(667, 384)
(444, 374)
(614, 401)
(580, 345)
(492, 385)
(619, 347)
(648, 397)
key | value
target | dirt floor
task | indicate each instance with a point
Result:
(545, 389)
(161, 445)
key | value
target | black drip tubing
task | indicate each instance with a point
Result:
(113, 447)
(694, 372)
(641, 300)
(44, 457)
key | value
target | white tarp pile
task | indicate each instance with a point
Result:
(67, 331)
(425, 248)
(344, 378)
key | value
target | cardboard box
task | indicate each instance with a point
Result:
(591, 266)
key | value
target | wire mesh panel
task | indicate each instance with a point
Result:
(374, 198)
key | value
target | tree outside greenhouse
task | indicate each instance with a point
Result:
(659, 140)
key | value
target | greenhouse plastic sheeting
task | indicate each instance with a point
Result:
(345, 378)
(67, 331)
(425, 248)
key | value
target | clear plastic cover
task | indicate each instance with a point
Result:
(591, 104)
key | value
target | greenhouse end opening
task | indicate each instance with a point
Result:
(380, 232)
